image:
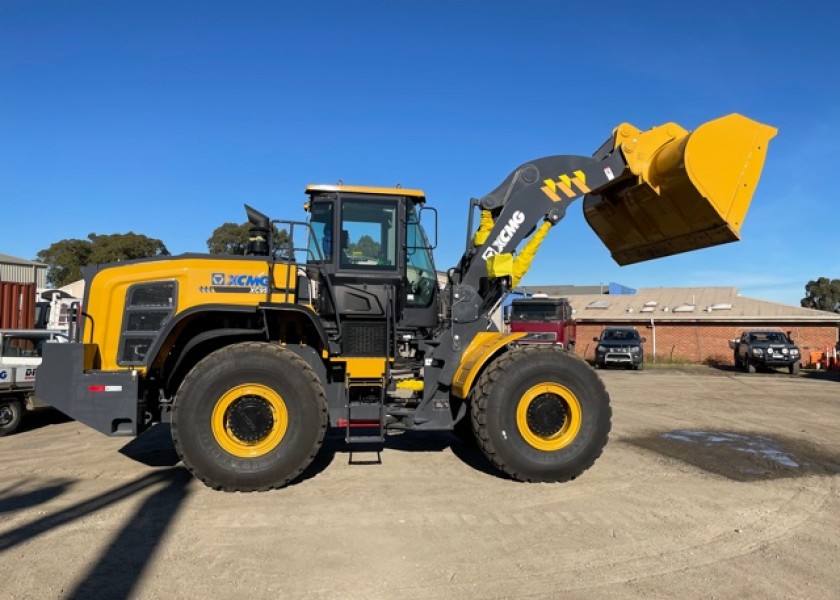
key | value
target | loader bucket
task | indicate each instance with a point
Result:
(681, 190)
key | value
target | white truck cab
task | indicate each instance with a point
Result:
(20, 357)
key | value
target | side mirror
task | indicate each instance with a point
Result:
(594, 339)
(644, 339)
(433, 212)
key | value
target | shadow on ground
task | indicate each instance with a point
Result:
(410, 441)
(154, 448)
(741, 456)
(13, 498)
(120, 565)
(42, 417)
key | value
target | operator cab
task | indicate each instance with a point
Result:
(369, 243)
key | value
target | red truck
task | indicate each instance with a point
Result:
(546, 320)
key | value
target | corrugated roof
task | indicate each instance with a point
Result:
(709, 304)
(14, 260)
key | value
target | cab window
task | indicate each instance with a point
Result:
(320, 245)
(368, 234)
(420, 271)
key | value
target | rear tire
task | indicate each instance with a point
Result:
(750, 367)
(540, 414)
(11, 415)
(249, 417)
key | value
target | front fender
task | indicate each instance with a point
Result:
(481, 350)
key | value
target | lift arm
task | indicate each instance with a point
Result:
(648, 194)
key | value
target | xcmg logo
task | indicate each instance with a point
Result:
(228, 279)
(505, 235)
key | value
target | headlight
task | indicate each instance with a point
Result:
(784, 350)
(635, 349)
(794, 351)
(758, 352)
(602, 348)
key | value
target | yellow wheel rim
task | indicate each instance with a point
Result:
(548, 416)
(249, 420)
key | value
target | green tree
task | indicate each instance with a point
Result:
(230, 238)
(124, 246)
(822, 294)
(366, 246)
(65, 259)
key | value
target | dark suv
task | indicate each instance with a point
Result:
(765, 348)
(620, 346)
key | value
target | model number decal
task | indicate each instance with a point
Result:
(236, 283)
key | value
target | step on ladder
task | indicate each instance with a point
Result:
(373, 426)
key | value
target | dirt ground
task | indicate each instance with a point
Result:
(715, 484)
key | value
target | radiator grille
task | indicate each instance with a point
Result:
(364, 338)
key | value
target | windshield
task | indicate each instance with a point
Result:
(620, 335)
(771, 337)
(535, 311)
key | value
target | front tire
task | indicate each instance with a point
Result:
(794, 368)
(540, 414)
(11, 415)
(249, 417)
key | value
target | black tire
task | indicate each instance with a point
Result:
(11, 414)
(275, 400)
(794, 368)
(639, 367)
(555, 391)
(738, 364)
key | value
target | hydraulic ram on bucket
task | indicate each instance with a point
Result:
(681, 190)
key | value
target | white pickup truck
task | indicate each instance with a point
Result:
(20, 356)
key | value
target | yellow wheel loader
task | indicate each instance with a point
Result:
(342, 321)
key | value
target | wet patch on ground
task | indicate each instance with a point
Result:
(741, 456)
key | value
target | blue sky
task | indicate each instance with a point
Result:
(163, 118)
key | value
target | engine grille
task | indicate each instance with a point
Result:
(364, 338)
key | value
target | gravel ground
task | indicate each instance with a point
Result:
(715, 484)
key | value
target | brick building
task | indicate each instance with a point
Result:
(695, 324)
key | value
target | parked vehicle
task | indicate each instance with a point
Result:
(20, 356)
(544, 320)
(771, 348)
(620, 346)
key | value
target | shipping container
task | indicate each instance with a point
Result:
(17, 305)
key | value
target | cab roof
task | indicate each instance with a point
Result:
(418, 195)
